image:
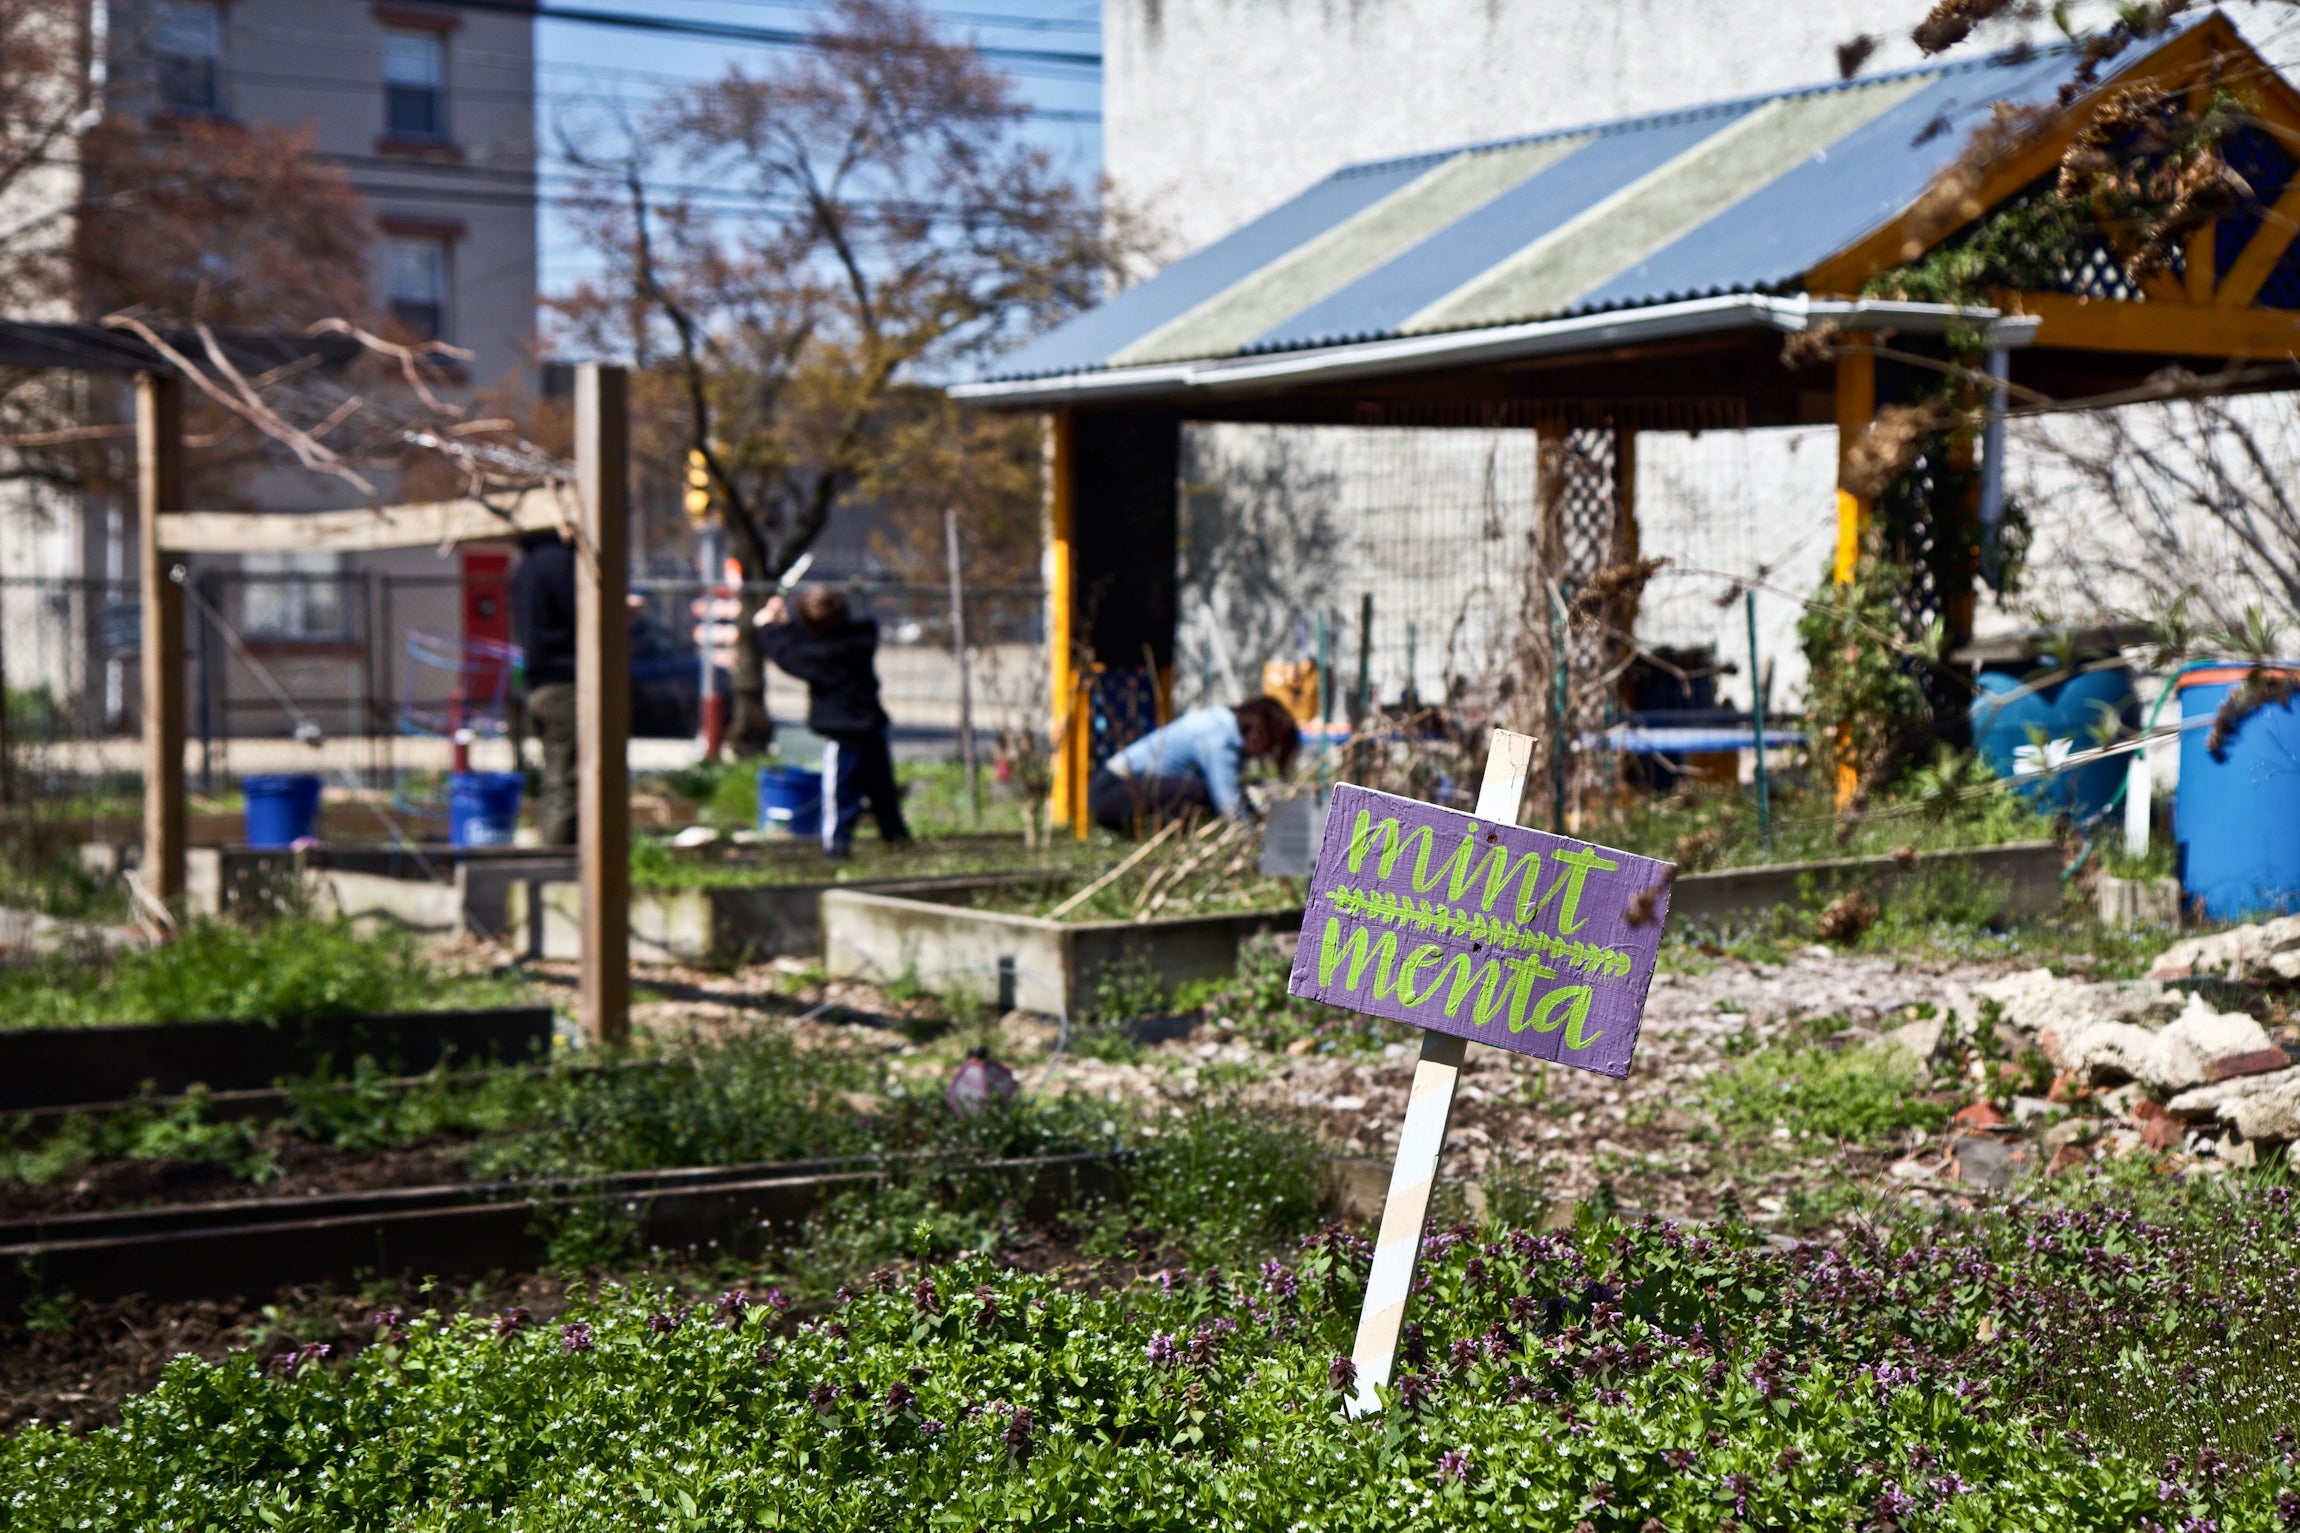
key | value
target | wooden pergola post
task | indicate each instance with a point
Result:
(603, 699)
(1856, 407)
(159, 490)
(1068, 726)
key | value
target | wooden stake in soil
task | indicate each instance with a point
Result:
(1501, 797)
(603, 701)
(1469, 927)
(159, 490)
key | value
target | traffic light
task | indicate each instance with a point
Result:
(698, 486)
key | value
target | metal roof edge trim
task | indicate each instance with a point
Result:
(1940, 69)
(1459, 348)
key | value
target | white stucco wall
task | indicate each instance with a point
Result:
(1215, 110)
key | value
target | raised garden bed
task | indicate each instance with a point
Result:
(714, 924)
(1030, 961)
(2029, 872)
(60, 1066)
(257, 1245)
(427, 889)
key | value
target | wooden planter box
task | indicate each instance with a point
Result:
(715, 925)
(1026, 961)
(431, 890)
(62, 1066)
(2029, 870)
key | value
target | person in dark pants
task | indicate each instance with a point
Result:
(835, 654)
(1192, 763)
(543, 622)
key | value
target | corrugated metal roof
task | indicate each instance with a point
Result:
(1739, 197)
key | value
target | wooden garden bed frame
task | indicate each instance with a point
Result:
(166, 528)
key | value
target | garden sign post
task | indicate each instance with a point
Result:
(1470, 927)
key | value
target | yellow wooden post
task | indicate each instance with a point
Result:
(160, 490)
(1856, 406)
(1066, 739)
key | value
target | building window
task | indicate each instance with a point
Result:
(187, 58)
(414, 84)
(293, 595)
(415, 285)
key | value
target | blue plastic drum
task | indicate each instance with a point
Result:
(2236, 813)
(790, 801)
(483, 808)
(282, 808)
(2021, 736)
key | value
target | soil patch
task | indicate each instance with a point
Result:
(298, 1168)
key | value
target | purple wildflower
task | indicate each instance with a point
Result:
(661, 1324)
(930, 1429)
(1202, 1345)
(1162, 1351)
(389, 1317)
(732, 1305)
(512, 1320)
(574, 1337)
(1413, 1389)
(822, 1397)
(899, 1399)
(925, 1296)
(777, 1300)
(1341, 1376)
(1453, 1467)
(1018, 1432)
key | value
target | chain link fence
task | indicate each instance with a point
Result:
(365, 675)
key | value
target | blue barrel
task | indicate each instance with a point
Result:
(2078, 713)
(282, 808)
(791, 800)
(2236, 815)
(483, 808)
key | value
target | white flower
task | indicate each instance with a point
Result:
(2029, 760)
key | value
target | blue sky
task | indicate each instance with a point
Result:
(588, 76)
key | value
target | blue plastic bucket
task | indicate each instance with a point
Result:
(791, 800)
(2236, 816)
(2080, 713)
(483, 808)
(282, 808)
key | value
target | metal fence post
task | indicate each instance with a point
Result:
(965, 666)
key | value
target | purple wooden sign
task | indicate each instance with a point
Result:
(1527, 941)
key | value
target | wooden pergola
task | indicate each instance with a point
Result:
(2228, 313)
(167, 528)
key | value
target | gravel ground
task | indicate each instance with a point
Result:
(1553, 1132)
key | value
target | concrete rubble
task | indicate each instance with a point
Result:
(2259, 952)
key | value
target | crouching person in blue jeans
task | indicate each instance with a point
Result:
(835, 653)
(1192, 764)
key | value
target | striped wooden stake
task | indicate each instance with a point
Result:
(1501, 798)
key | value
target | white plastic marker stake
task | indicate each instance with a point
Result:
(1501, 797)
(2139, 789)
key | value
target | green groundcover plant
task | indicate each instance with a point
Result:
(2116, 1364)
(289, 969)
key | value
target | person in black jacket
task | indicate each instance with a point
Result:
(834, 653)
(543, 622)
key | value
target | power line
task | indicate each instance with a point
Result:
(735, 32)
(481, 92)
(1003, 20)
